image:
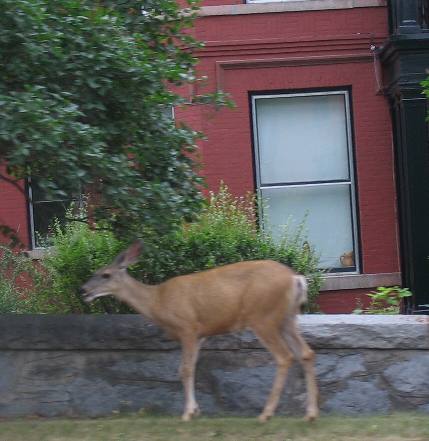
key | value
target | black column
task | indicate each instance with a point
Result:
(405, 59)
(409, 111)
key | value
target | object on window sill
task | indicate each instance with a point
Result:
(347, 259)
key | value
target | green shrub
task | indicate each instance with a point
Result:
(77, 251)
(19, 279)
(225, 232)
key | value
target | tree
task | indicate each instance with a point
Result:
(85, 100)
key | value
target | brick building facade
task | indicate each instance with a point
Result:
(292, 56)
(305, 48)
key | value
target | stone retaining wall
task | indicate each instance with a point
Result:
(96, 365)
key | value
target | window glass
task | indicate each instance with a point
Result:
(297, 135)
(327, 214)
(304, 171)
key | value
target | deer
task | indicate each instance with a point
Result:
(264, 296)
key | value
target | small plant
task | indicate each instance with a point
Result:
(385, 300)
(19, 279)
(76, 251)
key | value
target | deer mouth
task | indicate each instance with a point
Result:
(88, 296)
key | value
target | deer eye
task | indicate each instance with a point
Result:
(105, 276)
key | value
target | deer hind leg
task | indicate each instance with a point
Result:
(273, 340)
(305, 355)
(190, 348)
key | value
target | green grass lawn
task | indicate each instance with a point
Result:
(153, 428)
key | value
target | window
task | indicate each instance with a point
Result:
(304, 170)
(43, 211)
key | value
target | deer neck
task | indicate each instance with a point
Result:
(139, 296)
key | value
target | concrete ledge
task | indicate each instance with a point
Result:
(98, 364)
(288, 6)
(357, 281)
(133, 332)
(402, 332)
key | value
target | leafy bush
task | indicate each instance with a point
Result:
(19, 279)
(77, 252)
(225, 232)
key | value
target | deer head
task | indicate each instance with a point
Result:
(110, 279)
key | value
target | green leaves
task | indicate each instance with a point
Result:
(225, 232)
(385, 300)
(83, 92)
(19, 279)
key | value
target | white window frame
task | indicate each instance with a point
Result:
(351, 181)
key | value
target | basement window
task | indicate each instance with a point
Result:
(304, 171)
(43, 211)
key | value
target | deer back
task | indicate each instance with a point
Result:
(227, 298)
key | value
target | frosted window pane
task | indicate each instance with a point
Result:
(328, 223)
(302, 139)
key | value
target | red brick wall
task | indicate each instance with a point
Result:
(343, 302)
(288, 42)
(228, 153)
(315, 49)
(13, 210)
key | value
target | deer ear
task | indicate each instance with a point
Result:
(130, 255)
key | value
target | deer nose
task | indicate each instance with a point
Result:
(82, 291)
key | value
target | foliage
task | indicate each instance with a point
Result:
(84, 89)
(385, 300)
(224, 232)
(10, 236)
(425, 85)
(18, 281)
(77, 251)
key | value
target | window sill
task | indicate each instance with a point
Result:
(37, 253)
(359, 281)
(287, 6)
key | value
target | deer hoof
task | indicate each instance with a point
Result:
(187, 416)
(311, 416)
(263, 418)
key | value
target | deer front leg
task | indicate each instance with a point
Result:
(190, 348)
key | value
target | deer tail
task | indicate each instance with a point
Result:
(301, 290)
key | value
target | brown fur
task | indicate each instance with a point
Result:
(264, 296)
